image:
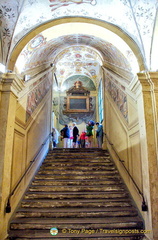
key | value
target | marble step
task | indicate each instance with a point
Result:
(78, 150)
(90, 234)
(77, 172)
(96, 188)
(78, 158)
(64, 182)
(65, 163)
(61, 236)
(80, 177)
(75, 212)
(76, 195)
(80, 203)
(78, 168)
(76, 223)
(76, 191)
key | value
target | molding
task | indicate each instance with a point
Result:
(12, 83)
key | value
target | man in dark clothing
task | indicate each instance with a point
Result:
(65, 133)
(99, 134)
(75, 135)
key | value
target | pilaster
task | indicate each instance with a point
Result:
(149, 137)
(10, 87)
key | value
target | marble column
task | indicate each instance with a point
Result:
(149, 83)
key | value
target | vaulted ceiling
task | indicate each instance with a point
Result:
(78, 47)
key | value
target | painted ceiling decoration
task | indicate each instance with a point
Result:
(136, 18)
(86, 82)
(72, 54)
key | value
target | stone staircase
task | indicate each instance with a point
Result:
(77, 194)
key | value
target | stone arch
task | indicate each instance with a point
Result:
(115, 29)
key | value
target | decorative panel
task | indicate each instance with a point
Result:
(18, 164)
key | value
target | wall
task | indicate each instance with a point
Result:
(31, 130)
(123, 131)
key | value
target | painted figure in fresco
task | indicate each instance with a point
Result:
(63, 3)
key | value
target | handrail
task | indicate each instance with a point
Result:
(8, 207)
(144, 206)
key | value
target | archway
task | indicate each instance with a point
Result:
(112, 28)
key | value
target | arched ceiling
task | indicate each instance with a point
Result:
(135, 19)
(77, 53)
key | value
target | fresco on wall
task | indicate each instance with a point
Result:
(35, 96)
(75, 117)
(86, 82)
(118, 95)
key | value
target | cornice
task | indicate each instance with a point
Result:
(12, 83)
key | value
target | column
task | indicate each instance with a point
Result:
(149, 143)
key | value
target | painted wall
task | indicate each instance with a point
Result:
(125, 114)
(123, 131)
(29, 133)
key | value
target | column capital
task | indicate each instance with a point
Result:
(10, 82)
(148, 80)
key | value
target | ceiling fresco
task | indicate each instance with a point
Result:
(72, 55)
(136, 18)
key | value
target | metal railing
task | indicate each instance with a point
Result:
(8, 206)
(144, 205)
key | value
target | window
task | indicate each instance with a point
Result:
(100, 101)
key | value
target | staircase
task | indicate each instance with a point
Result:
(77, 194)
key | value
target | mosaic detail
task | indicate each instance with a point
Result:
(35, 96)
(117, 93)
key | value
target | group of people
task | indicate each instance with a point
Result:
(90, 134)
(72, 139)
(70, 136)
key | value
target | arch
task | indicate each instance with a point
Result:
(87, 82)
(115, 29)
